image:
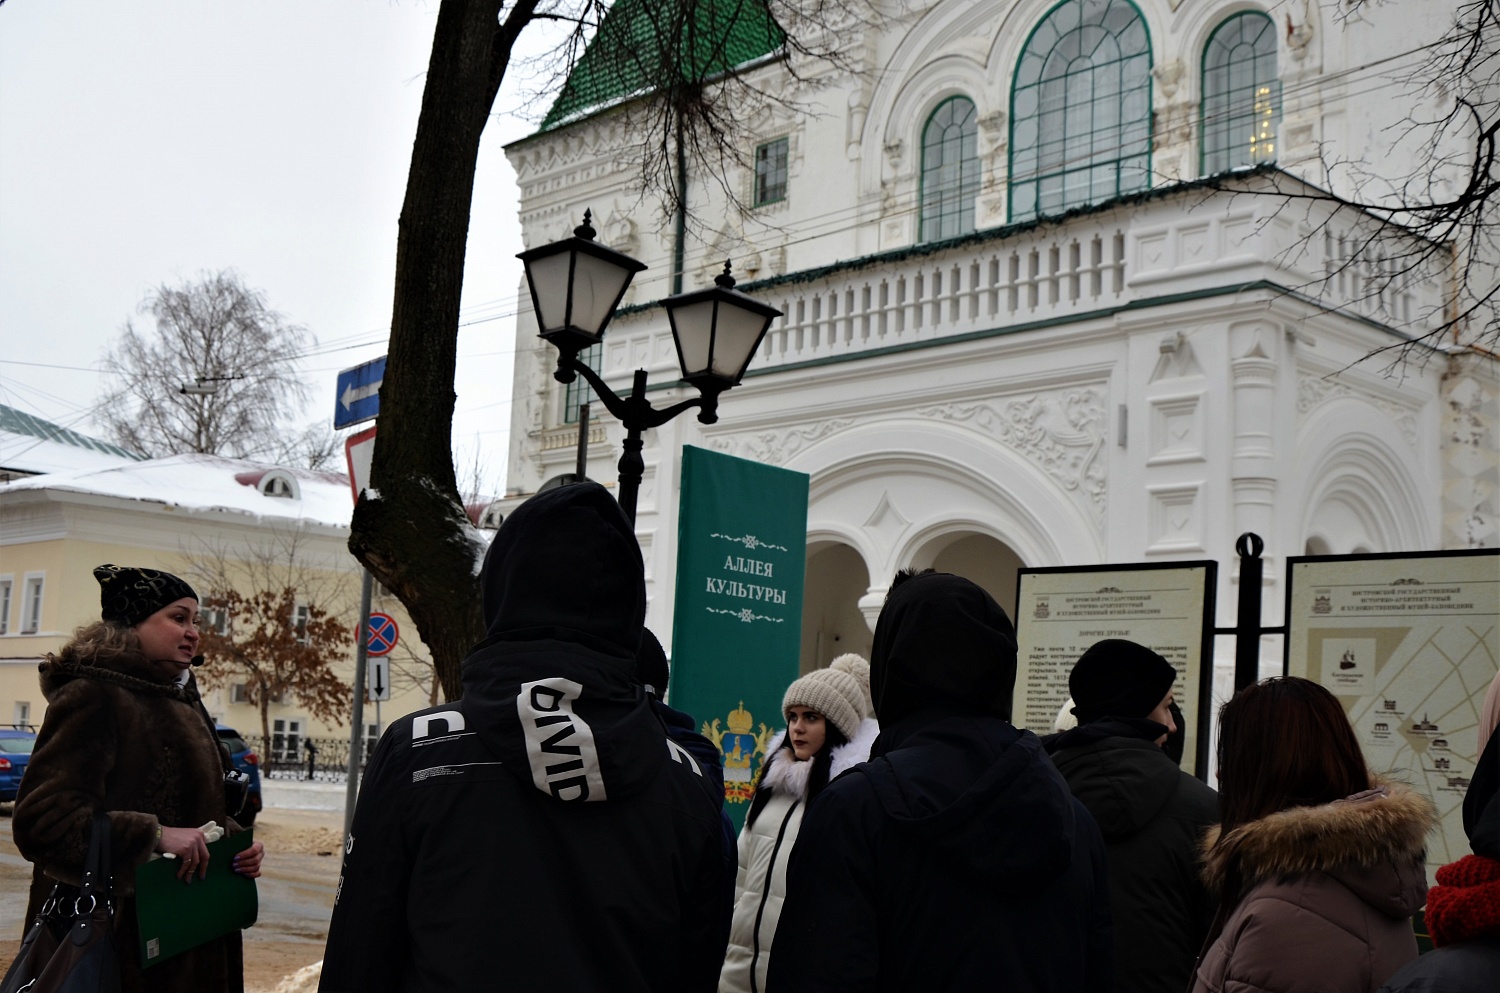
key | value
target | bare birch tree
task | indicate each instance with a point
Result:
(215, 374)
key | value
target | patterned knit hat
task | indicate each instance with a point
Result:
(841, 693)
(129, 595)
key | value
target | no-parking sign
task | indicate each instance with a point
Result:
(382, 635)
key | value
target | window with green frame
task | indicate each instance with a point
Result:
(579, 392)
(770, 172)
(1080, 128)
(950, 170)
(1241, 94)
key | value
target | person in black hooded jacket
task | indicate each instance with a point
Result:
(955, 859)
(542, 832)
(1152, 814)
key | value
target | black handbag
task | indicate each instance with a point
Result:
(40, 942)
(82, 958)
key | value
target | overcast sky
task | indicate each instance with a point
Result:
(143, 142)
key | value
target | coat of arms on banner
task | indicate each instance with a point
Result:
(740, 747)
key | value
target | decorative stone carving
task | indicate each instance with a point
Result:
(895, 158)
(621, 232)
(1299, 35)
(993, 141)
(1060, 431)
(1168, 76)
(776, 447)
(1314, 391)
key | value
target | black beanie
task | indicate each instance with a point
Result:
(1118, 678)
(128, 595)
(651, 665)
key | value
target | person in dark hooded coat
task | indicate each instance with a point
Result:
(955, 859)
(542, 832)
(1152, 814)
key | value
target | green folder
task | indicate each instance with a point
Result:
(174, 916)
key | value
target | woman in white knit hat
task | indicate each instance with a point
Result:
(830, 728)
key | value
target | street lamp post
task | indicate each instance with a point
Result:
(576, 284)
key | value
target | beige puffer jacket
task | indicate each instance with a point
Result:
(1328, 896)
(765, 851)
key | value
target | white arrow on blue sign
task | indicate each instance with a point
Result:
(359, 393)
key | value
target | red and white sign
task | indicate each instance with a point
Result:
(358, 450)
(382, 635)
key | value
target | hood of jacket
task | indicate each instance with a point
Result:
(1372, 842)
(941, 642)
(978, 789)
(552, 689)
(1124, 782)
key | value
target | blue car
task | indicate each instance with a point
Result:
(15, 752)
(247, 762)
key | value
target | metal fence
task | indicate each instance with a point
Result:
(291, 756)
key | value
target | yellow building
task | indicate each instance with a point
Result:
(213, 521)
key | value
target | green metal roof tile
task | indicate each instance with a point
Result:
(641, 47)
(19, 422)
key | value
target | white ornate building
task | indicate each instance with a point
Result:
(1019, 329)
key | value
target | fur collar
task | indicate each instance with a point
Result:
(1389, 823)
(130, 670)
(785, 775)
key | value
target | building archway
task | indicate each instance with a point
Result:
(986, 561)
(832, 623)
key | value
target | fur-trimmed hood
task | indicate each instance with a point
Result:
(1382, 826)
(785, 774)
(130, 670)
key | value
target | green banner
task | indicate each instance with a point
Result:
(737, 634)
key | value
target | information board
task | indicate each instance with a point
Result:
(1408, 643)
(1168, 607)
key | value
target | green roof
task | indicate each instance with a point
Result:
(19, 422)
(643, 45)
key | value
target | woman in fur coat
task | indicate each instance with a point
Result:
(1318, 865)
(829, 730)
(125, 733)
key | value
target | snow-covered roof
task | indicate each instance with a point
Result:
(206, 483)
(30, 445)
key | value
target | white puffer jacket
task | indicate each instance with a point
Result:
(765, 849)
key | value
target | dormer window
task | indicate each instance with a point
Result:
(491, 517)
(279, 484)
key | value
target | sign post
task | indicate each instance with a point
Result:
(358, 391)
(356, 733)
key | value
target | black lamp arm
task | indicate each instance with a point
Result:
(635, 411)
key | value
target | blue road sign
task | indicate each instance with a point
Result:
(382, 636)
(358, 393)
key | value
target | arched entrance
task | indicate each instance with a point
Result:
(986, 561)
(831, 620)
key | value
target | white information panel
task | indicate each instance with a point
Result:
(1409, 644)
(1169, 608)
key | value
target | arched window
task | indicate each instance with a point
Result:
(950, 170)
(1241, 94)
(1081, 109)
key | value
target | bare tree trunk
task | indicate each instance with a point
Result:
(415, 537)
